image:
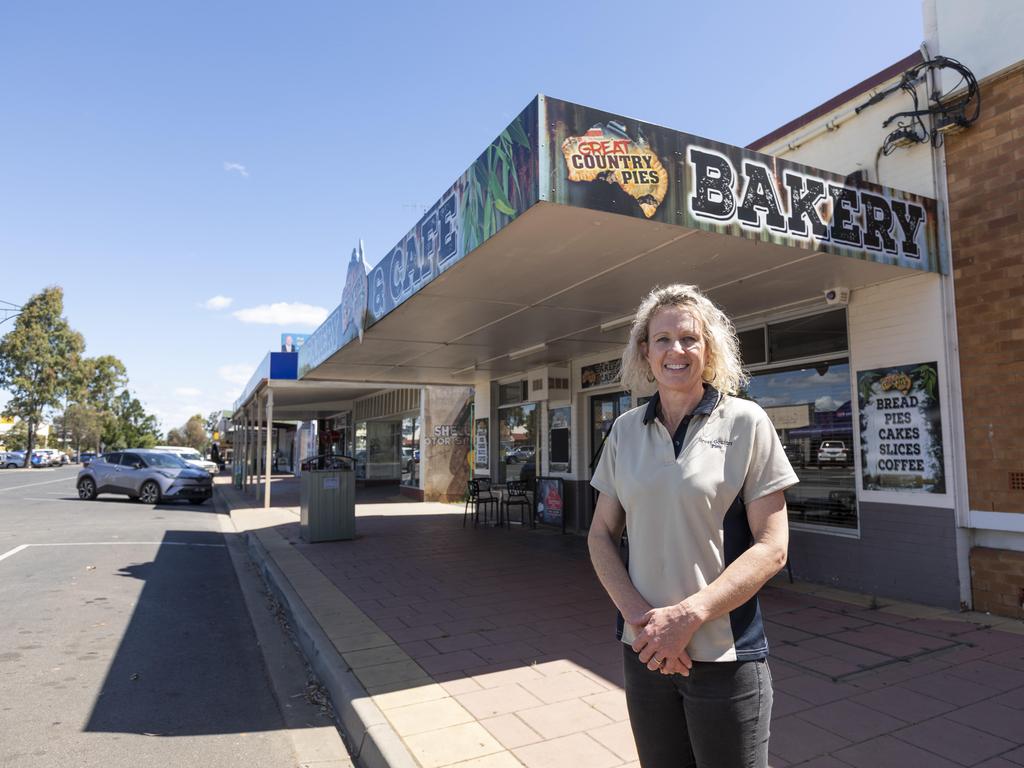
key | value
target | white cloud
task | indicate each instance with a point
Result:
(218, 302)
(187, 392)
(826, 403)
(236, 373)
(238, 168)
(282, 313)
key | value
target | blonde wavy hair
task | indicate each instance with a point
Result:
(723, 370)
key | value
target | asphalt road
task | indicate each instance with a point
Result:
(124, 637)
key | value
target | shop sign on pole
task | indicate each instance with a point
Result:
(901, 429)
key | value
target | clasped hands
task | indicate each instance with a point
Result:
(661, 636)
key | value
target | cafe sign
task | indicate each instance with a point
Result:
(901, 429)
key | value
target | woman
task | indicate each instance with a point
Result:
(697, 476)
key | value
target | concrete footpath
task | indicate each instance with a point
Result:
(492, 647)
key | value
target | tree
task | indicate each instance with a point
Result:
(128, 425)
(105, 377)
(175, 437)
(16, 438)
(83, 426)
(195, 433)
(38, 360)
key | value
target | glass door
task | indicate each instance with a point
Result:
(604, 410)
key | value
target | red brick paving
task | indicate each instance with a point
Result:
(854, 686)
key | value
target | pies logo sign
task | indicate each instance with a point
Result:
(607, 153)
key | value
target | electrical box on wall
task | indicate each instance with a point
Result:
(548, 384)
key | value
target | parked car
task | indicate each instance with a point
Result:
(147, 475)
(45, 457)
(517, 455)
(13, 460)
(832, 452)
(85, 457)
(191, 455)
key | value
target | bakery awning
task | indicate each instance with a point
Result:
(538, 251)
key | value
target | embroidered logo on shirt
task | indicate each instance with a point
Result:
(717, 442)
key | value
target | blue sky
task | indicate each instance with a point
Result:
(156, 155)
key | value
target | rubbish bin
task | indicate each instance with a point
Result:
(327, 503)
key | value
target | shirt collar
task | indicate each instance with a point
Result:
(704, 407)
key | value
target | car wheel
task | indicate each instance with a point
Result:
(86, 489)
(149, 493)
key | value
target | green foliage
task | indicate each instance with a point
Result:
(493, 196)
(195, 433)
(16, 438)
(128, 425)
(39, 359)
(82, 426)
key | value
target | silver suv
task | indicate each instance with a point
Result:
(149, 476)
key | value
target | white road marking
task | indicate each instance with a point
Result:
(21, 547)
(14, 551)
(29, 485)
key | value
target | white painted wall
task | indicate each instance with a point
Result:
(984, 35)
(900, 323)
(853, 141)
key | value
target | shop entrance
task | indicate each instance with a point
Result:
(518, 442)
(604, 410)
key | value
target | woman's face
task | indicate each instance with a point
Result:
(675, 349)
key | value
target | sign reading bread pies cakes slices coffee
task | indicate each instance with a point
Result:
(901, 429)
(606, 153)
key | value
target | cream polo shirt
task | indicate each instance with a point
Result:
(686, 515)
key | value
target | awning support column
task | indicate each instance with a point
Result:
(268, 460)
(259, 443)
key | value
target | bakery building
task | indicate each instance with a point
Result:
(486, 343)
(518, 286)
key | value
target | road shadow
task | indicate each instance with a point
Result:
(189, 662)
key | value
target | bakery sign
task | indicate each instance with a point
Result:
(901, 429)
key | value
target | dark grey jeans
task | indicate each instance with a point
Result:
(717, 717)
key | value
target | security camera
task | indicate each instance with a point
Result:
(840, 296)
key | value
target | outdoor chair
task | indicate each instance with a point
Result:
(515, 496)
(480, 495)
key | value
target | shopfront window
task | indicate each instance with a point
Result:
(518, 442)
(810, 408)
(411, 451)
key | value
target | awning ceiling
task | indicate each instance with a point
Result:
(307, 400)
(556, 273)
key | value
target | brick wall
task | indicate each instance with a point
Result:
(986, 198)
(997, 581)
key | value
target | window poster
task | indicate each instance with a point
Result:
(558, 420)
(481, 443)
(901, 429)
